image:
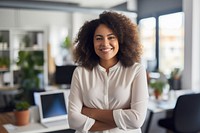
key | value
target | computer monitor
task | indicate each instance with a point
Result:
(52, 105)
(151, 65)
(63, 74)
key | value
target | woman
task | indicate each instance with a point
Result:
(109, 87)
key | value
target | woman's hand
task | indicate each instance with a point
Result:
(103, 118)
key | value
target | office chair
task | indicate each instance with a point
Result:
(186, 115)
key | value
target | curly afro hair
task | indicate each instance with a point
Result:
(126, 32)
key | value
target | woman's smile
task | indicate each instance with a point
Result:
(106, 49)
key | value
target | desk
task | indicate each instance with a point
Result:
(8, 118)
(9, 90)
(156, 106)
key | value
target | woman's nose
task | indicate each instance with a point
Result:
(105, 41)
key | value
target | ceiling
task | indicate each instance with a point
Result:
(94, 6)
(91, 3)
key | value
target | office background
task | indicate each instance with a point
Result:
(59, 20)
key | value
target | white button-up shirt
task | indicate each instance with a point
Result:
(119, 89)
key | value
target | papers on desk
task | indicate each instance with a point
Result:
(9, 127)
(161, 105)
(23, 129)
(33, 128)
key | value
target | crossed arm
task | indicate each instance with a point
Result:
(103, 118)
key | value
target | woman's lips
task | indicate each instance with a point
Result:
(105, 49)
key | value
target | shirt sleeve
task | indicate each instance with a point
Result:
(77, 120)
(134, 118)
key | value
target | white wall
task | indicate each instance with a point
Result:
(33, 18)
(36, 18)
(79, 19)
(191, 73)
(7, 18)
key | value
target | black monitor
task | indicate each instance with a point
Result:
(63, 74)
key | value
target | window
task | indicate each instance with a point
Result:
(170, 41)
(147, 30)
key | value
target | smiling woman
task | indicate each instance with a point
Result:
(109, 86)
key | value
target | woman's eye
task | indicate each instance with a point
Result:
(111, 37)
(98, 38)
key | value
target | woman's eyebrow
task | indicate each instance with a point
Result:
(98, 35)
(111, 34)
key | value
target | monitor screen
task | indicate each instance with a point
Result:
(63, 74)
(52, 105)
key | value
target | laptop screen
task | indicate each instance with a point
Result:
(52, 105)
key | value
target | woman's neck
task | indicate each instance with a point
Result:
(108, 64)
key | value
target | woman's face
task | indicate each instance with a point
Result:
(106, 43)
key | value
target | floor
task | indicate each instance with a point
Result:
(154, 128)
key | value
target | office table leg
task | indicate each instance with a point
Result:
(149, 122)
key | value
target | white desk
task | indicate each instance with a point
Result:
(33, 128)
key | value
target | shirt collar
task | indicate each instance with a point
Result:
(111, 68)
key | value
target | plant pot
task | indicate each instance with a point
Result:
(22, 117)
(157, 94)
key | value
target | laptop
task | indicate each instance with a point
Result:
(52, 108)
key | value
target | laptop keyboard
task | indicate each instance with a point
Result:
(56, 123)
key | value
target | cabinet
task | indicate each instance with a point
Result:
(25, 42)
(4, 54)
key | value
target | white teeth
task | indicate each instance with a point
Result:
(105, 49)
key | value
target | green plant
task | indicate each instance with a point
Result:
(157, 86)
(1, 38)
(22, 105)
(175, 73)
(67, 43)
(4, 61)
(27, 41)
(30, 63)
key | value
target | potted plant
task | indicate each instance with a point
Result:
(66, 51)
(30, 67)
(158, 87)
(4, 62)
(175, 79)
(22, 113)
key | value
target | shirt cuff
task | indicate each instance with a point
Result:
(88, 124)
(117, 114)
